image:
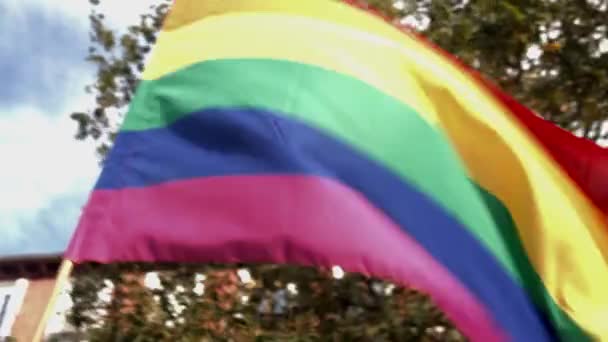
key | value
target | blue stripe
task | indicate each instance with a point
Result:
(249, 141)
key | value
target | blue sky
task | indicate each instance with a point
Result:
(45, 175)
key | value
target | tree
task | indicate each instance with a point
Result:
(548, 54)
(249, 302)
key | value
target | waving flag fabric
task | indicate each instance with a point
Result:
(311, 132)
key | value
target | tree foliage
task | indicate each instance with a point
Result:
(549, 54)
(249, 303)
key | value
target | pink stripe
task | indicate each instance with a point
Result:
(278, 219)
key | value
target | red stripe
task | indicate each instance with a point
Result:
(277, 219)
(584, 161)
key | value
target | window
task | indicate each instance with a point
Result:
(11, 297)
(4, 299)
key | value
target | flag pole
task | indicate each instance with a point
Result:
(65, 269)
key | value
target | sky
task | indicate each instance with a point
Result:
(45, 174)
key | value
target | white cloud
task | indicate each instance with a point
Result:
(45, 174)
(119, 13)
(17, 10)
(40, 160)
(121, 17)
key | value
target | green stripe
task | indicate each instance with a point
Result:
(385, 129)
(567, 329)
(376, 124)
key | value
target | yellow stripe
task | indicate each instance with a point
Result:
(564, 235)
(186, 12)
(298, 39)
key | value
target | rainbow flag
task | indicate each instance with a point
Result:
(311, 132)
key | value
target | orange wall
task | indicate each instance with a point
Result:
(34, 303)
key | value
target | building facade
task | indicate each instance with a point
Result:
(26, 285)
